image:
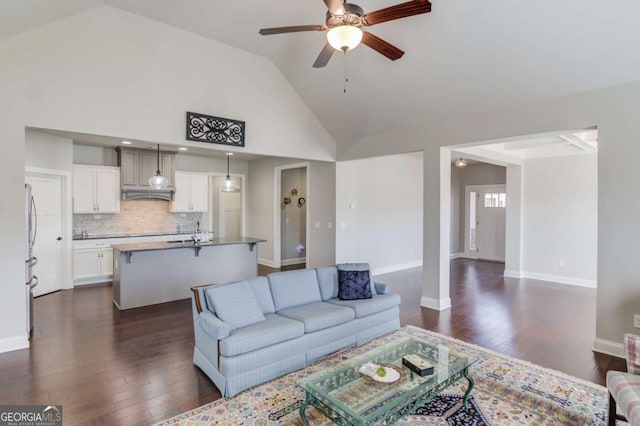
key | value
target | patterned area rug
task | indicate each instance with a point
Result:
(507, 391)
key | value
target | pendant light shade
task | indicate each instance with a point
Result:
(158, 181)
(228, 185)
(344, 37)
(461, 162)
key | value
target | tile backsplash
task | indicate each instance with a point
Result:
(137, 216)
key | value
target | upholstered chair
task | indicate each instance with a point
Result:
(624, 388)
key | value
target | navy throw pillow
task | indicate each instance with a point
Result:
(354, 285)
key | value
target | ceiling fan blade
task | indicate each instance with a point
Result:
(336, 7)
(381, 46)
(294, 29)
(324, 56)
(402, 10)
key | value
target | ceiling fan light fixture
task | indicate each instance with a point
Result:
(344, 37)
(461, 162)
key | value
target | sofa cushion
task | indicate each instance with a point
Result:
(235, 304)
(260, 287)
(328, 281)
(274, 329)
(294, 288)
(366, 307)
(354, 285)
(358, 267)
(319, 315)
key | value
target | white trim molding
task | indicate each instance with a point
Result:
(437, 304)
(294, 261)
(267, 262)
(394, 268)
(608, 347)
(560, 279)
(14, 343)
(512, 274)
(453, 256)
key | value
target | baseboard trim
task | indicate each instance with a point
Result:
(453, 256)
(267, 262)
(294, 261)
(560, 279)
(608, 347)
(437, 304)
(512, 274)
(14, 343)
(395, 268)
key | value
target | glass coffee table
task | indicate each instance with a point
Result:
(348, 398)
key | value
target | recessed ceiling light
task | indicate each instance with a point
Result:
(126, 143)
(182, 148)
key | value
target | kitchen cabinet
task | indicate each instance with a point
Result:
(192, 193)
(93, 260)
(138, 165)
(96, 189)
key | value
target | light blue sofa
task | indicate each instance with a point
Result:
(303, 321)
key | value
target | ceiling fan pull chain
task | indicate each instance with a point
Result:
(346, 75)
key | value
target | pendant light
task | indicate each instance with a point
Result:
(228, 185)
(461, 162)
(158, 181)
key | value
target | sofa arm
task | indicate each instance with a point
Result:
(213, 326)
(382, 288)
(632, 352)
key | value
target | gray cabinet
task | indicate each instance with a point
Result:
(138, 165)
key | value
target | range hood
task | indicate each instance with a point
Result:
(137, 166)
(129, 193)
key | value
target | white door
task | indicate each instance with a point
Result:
(490, 226)
(230, 214)
(47, 192)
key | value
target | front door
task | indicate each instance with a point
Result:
(486, 218)
(48, 248)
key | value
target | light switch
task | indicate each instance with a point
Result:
(352, 206)
(329, 225)
(286, 220)
(317, 225)
(343, 225)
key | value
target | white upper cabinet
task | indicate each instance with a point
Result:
(96, 189)
(192, 193)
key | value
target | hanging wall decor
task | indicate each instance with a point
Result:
(210, 129)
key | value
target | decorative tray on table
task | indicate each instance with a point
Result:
(385, 374)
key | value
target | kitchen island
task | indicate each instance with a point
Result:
(157, 272)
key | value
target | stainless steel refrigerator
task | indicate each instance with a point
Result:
(31, 230)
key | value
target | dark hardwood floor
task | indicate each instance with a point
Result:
(134, 367)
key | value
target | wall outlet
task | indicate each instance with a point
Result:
(329, 225)
(562, 262)
(410, 251)
(183, 215)
(286, 220)
(636, 321)
(343, 225)
(317, 225)
(97, 216)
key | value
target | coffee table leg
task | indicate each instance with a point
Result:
(302, 410)
(468, 392)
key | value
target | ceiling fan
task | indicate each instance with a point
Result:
(345, 21)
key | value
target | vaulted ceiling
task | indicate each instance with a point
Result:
(465, 56)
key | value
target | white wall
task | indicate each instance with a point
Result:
(261, 206)
(379, 211)
(47, 151)
(133, 78)
(560, 218)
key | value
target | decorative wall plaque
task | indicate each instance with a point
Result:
(207, 128)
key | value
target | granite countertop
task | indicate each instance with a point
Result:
(152, 246)
(132, 235)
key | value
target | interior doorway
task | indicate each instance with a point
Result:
(291, 221)
(485, 222)
(49, 192)
(227, 209)
(293, 218)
